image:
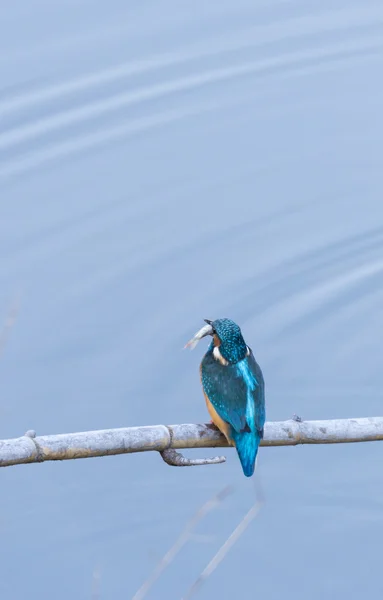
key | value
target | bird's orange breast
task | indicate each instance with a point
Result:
(218, 421)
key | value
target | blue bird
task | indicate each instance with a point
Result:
(234, 389)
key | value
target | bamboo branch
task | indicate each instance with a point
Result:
(29, 448)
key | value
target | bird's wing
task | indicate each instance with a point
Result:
(236, 392)
(256, 388)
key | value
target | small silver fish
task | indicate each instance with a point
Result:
(204, 331)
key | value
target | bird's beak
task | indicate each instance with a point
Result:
(203, 332)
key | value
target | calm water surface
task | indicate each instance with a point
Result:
(160, 164)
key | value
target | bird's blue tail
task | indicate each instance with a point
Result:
(247, 444)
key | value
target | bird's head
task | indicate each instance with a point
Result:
(226, 335)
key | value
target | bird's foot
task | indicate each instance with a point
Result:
(213, 426)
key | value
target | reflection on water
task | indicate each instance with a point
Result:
(159, 166)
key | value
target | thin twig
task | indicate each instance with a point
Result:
(186, 534)
(176, 459)
(224, 549)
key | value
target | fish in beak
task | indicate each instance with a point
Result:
(203, 332)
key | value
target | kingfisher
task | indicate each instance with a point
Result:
(234, 388)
